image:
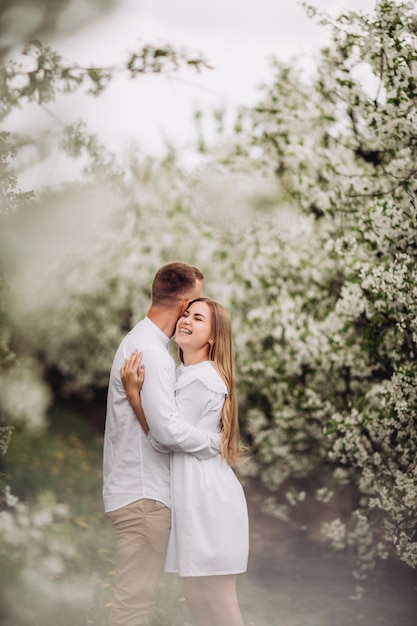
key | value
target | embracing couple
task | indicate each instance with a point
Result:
(171, 439)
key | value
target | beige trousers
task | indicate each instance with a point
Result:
(142, 531)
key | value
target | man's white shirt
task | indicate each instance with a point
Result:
(132, 468)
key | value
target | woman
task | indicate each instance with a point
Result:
(208, 544)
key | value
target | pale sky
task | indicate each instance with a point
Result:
(238, 37)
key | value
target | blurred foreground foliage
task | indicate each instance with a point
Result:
(54, 543)
(305, 226)
(27, 20)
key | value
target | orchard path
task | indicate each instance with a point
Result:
(296, 580)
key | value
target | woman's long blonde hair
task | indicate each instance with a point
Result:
(222, 354)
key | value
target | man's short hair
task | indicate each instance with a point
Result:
(174, 282)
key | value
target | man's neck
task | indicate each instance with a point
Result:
(165, 319)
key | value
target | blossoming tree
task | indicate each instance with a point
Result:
(328, 339)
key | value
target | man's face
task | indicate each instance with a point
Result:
(193, 295)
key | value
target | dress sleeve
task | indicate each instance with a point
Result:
(207, 375)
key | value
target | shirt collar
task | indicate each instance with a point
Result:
(162, 336)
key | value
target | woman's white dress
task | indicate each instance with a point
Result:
(209, 516)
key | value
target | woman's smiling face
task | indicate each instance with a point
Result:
(193, 331)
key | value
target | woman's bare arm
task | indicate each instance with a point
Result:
(132, 375)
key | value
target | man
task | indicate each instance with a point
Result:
(136, 489)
